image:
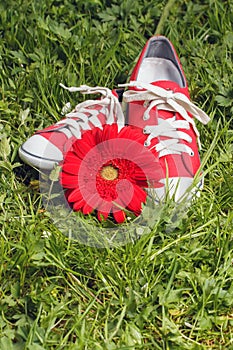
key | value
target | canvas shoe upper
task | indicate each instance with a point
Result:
(158, 101)
(48, 147)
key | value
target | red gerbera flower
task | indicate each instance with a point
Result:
(108, 170)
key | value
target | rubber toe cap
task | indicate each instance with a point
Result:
(39, 152)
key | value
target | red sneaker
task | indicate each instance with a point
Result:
(48, 147)
(158, 101)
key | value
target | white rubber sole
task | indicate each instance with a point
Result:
(178, 188)
(35, 161)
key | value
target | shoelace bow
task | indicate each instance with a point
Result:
(78, 120)
(155, 96)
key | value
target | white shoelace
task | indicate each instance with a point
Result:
(155, 96)
(78, 120)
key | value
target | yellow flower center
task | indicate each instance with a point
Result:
(108, 172)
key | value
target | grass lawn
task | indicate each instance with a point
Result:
(173, 287)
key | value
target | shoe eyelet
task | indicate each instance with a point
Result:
(147, 143)
(191, 154)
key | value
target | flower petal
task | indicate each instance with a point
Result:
(81, 148)
(71, 168)
(139, 197)
(119, 216)
(109, 132)
(154, 184)
(87, 209)
(103, 209)
(68, 181)
(78, 205)
(75, 196)
(102, 215)
(97, 134)
(70, 157)
(88, 136)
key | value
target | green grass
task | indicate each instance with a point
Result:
(173, 287)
